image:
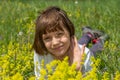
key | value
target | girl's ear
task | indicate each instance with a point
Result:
(72, 36)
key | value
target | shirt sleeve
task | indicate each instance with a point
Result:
(37, 62)
(87, 63)
(37, 59)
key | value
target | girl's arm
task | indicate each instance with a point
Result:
(37, 65)
(37, 62)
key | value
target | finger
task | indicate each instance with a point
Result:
(83, 48)
(75, 41)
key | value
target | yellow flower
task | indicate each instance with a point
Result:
(71, 79)
(17, 76)
(32, 78)
(79, 76)
(117, 76)
(43, 72)
(106, 76)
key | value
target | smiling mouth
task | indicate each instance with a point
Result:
(58, 48)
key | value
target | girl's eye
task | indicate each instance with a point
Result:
(46, 39)
(59, 34)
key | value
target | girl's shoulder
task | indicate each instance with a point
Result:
(47, 58)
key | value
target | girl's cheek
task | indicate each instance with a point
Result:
(64, 39)
(47, 45)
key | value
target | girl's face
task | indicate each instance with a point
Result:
(57, 42)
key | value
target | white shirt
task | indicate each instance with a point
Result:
(48, 58)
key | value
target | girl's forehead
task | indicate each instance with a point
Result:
(55, 29)
(49, 33)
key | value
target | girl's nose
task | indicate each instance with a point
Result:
(55, 41)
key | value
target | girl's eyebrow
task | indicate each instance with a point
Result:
(45, 34)
(48, 33)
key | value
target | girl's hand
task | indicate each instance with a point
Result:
(77, 52)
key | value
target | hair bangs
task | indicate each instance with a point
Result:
(52, 28)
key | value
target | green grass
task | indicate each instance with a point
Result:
(18, 15)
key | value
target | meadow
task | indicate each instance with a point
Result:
(17, 18)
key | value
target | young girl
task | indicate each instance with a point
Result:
(55, 39)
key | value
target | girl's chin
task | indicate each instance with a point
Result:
(59, 54)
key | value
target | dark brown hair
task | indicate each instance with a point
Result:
(52, 19)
